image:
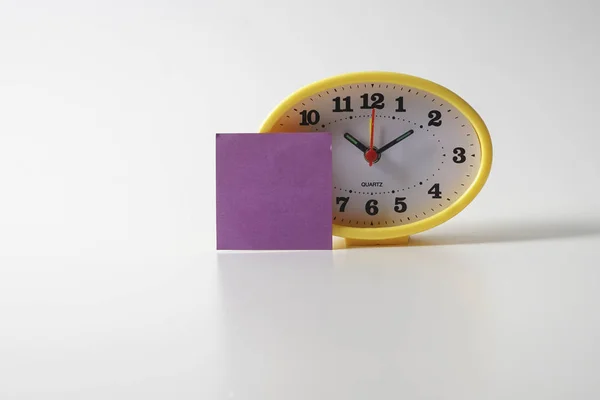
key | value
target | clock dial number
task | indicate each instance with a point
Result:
(459, 158)
(311, 117)
(400, 101)
(400, 205)
(435, 118)
(343, 201)
(338, 104)
(376, 98)
(371, 207)
(435, 191)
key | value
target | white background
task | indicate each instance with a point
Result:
(109, 283)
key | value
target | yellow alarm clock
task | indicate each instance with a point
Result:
(408, 154)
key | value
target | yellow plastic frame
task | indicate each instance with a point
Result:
(390, 233)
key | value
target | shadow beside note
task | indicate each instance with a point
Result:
(496, 232)
(511, 231)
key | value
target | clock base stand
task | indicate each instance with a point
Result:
(401, 241)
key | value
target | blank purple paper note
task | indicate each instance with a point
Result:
(274, 191)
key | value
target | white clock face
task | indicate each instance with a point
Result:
(425, 153)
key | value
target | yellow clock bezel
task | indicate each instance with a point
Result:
(384, 233)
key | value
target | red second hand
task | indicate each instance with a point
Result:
(371, 154)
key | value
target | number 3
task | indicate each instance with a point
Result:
(459, 158)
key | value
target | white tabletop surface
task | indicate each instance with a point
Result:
(110, 285)
(513, 317)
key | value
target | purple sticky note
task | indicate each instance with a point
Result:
(274, 191)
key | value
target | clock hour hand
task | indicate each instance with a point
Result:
(395, 141)
(356, 142)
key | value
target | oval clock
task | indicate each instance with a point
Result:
(408, 154)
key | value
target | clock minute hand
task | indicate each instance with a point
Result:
(355, 142)
(395, 141)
